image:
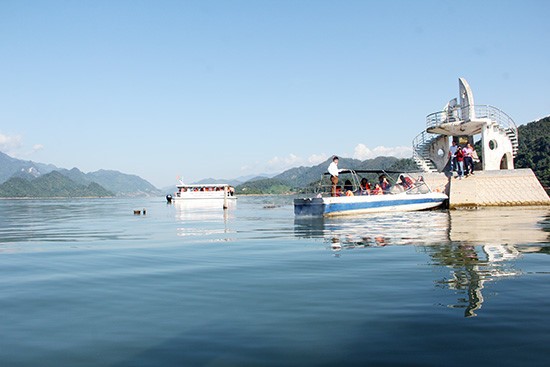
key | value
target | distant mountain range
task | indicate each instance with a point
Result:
(19, 178)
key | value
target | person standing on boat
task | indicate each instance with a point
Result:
(333, 170)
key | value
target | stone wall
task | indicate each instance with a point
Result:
(519, 187)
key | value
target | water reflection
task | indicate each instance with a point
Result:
(41, 224)
(204, 219)
(412, 228)
(485, 246)
(478, 246)
(499, 225)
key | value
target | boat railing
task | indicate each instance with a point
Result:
(325, 185)
(417, 186)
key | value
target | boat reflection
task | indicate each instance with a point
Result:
(202, 209)
(409, 228)
(478, 246)
(204, 219)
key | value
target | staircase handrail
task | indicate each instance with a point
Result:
(420, 140)
(497, 115)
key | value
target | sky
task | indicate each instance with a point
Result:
(224, 89)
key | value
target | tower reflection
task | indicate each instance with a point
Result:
(478, 246)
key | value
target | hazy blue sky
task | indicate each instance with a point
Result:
(230, 88)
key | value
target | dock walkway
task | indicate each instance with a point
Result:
(517, 187)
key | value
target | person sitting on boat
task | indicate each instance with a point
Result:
(338, 191)
(384, 183)
(364, 187)
(333, 170)
(406, 182)
(348, 186)
(377, 190)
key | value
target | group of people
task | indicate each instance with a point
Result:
(380, 188)
(365, 188)
(230, 189)
(462, 159)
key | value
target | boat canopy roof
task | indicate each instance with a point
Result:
(204, 185)
(371, 171)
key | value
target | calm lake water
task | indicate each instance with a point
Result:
(88, 283)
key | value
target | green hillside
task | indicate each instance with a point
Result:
(534, 149)
(53, 184)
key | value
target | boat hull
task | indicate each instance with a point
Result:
(352, 205)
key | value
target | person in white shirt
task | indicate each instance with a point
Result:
(452, 155)
(333, 170)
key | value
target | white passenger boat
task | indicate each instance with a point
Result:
(203, 192)
(408, 195)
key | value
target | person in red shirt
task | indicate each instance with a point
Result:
(460, 162)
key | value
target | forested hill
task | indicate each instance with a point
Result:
(534, 149)
(50, 185)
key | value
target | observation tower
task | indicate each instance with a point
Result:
(495, 138)
(463, 121)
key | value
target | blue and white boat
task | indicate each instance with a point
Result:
(409, 195)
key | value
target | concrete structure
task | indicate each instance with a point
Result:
(495, 182)
(519, 187)
(463, 121)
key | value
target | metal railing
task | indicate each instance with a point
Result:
(461, 114)
(417, 184)
(495, 114)
(419, 143)
(481, 111)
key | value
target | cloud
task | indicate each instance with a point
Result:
(279, 164)
(10, 144)
(362, 152)
(316, 159)
(292, 160)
